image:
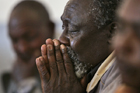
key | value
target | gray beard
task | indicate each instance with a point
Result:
(80, 68)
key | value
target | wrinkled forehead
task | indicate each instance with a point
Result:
(80, 4)
(76, 5)
(78, 9)
(130, 10)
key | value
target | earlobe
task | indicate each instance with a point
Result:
(52, 28)
(112, 28)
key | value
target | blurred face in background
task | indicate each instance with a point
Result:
(28, 33)
(127, 42)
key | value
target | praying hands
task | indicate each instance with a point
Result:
(56, 69)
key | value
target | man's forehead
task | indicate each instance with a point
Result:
(72, 4)
(18, 18)
(130, 10)
(77, 6)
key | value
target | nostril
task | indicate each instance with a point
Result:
(22, 46)
(126, 50)
(23, 49)
(64, 40)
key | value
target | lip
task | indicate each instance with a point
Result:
(24, 57)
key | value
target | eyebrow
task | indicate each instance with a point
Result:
(71, 22)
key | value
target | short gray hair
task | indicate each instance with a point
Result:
(103, 11)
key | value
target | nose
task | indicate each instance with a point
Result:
(64, 39)
(123, 43)
(23, 46)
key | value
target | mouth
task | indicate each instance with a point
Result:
(24, 57)
(81, 68)
(28, 56)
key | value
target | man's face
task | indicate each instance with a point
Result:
(27, 33)
(127, 42)
(79, 32)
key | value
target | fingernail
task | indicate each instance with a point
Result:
(43, 46)
(56, 43)
(40, 58)
(62, 48)
(50, 47)
(37, 59)
(47, 40)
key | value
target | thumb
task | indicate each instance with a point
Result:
(84, 82)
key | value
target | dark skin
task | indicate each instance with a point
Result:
(127, 45)
(27, 34)
(62, 77)
(55, 67)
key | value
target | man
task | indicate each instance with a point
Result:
(88, 27)
(127, 45)
(29, 26)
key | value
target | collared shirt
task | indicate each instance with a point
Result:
(100, 72)
(29, 85)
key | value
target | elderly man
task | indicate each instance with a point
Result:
(127, 45)
(82, 55)
(29, 26)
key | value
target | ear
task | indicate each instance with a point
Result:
(52, 29)
(112, 28)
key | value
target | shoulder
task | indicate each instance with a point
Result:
(110, 80)
(6, 77)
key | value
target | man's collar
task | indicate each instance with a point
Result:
(100, 72)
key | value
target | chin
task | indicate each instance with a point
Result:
(81, 68)
(24, 58)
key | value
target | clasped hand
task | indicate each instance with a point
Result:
(56, 69)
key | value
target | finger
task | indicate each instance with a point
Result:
(43, 72)
(44, 50)
(59, 59)
(44, 55)
(51, 59)
(67, 61)
(84, 82)
(49, 41)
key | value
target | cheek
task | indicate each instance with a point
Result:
(36, 44)
(15, 47)
(76, 44)
(80, 46)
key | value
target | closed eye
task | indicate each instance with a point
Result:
(73, 31)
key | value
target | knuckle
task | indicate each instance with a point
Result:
(70, 78)
(61, 69)
(39, 62)
(57, 48)
(51, 52)
(42, 68)
(59, 61)
(53, 66)
(68, 62)
(44, 73)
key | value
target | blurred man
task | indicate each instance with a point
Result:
(29, 26)
(127, 45)
(88, 27)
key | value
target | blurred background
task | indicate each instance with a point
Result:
(7, 56)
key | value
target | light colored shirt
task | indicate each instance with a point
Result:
(100, 72)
